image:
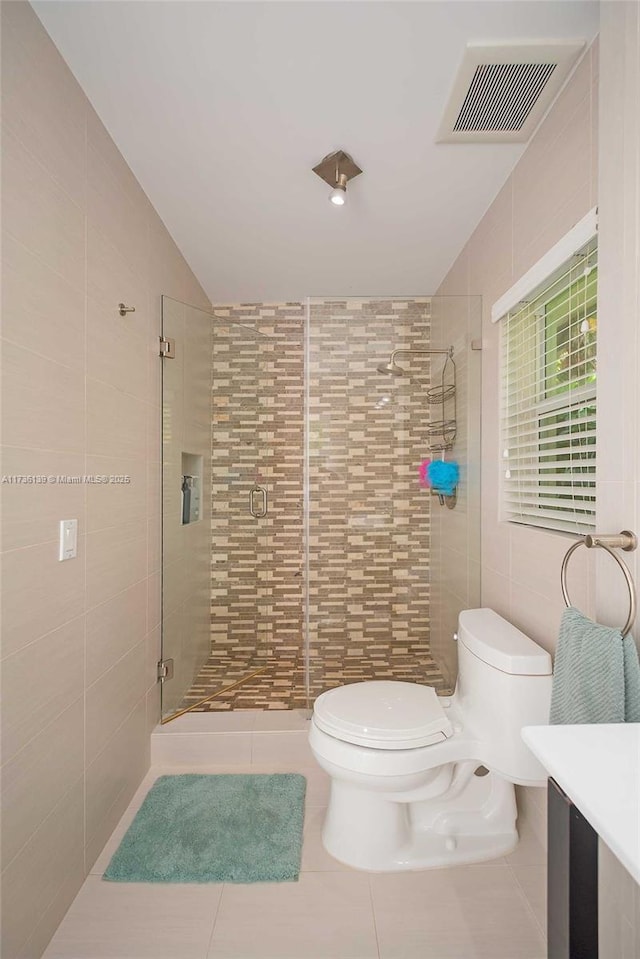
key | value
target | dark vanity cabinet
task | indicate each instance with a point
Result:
(572, 884)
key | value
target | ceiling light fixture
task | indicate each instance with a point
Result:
(337, 169)
(339, 193)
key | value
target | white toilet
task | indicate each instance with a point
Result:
(419, 781)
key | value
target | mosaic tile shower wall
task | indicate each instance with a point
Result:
(368, 577)
(369, 519)
(257, 437)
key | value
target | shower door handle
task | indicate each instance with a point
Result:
(262, 508)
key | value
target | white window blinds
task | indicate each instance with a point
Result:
(548, 401)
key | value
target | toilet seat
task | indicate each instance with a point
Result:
(383, 715)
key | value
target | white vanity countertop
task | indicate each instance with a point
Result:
(598, 767)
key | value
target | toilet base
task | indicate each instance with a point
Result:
(378, 833)
(430, 852)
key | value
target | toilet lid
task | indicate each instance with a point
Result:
(383, 715)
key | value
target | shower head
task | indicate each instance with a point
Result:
(392, 368)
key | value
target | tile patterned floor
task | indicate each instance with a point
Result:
(281, 683)
(491, 911)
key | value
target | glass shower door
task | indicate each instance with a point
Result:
(241, 503)
(389, 567)
(215, 539)
(368, 526)
(186, 495)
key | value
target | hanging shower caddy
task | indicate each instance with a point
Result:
(442, 432)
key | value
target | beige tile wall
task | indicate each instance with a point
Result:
(550, 189)
(81, 395)
(567, 168)
(619, 381)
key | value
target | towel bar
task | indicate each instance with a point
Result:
(625, 540)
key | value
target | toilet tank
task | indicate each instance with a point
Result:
(504, 683)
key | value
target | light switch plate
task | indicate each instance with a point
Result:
(68, 539)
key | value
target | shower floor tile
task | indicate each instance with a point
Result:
(281, 683)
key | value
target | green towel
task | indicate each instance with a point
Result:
(596, 676)
(631, 680)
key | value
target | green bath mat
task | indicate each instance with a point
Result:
(229, 828)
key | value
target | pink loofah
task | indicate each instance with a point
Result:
(424, 473)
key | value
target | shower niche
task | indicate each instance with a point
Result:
(191, 489)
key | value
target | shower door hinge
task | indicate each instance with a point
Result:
(165, 670)
(167, 348)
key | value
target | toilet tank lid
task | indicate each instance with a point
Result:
(501, 644)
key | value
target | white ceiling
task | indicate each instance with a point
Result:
(222, 108)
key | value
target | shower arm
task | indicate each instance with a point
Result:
(395, 353)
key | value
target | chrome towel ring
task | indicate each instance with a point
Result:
(625, 540)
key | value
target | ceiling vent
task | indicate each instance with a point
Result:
(503, 90)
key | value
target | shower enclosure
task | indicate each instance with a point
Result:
(300, 548)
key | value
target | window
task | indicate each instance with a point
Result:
(548, 415)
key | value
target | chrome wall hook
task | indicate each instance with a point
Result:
(447, 499)
(123, 310)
